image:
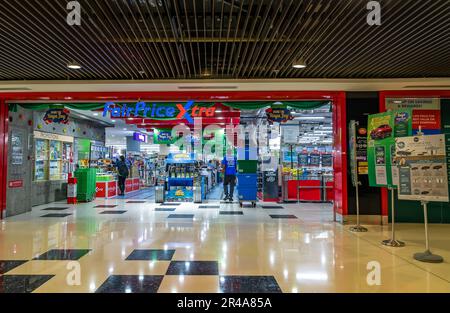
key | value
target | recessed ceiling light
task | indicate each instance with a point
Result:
(73, 65)
(300, 63)
(95, 114)
(113, 121)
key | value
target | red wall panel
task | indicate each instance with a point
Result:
(3, 155)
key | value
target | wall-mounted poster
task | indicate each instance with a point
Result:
(17, 148)
(303, 159)
(422, 168)
(327, 160)
(425, 112)
(361, 150)
(314, 159)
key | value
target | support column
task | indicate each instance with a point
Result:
(133, 145)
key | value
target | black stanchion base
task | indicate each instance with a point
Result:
(358, 229)
(393, 243)
(428, 257)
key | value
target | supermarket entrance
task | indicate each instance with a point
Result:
(57, 165)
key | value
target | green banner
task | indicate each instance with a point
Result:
(382, 128)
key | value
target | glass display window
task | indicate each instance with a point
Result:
(41, 161)
(52, 159)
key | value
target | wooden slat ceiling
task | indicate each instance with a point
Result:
(233, 39)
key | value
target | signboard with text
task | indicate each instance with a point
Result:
(426, 112)
(422, 166)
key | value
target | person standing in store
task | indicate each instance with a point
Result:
(229, 164)
(123, 172)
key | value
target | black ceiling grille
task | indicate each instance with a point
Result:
(223, 39)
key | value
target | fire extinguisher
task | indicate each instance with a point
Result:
(71, 189)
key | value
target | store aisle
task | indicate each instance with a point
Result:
(136, 245)
(146, 193)
(216, 193)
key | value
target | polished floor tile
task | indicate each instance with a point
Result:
(193, 268)
(7, 265)
(151, 255)
(22, 283)
(189, 284)
(272, 207)
(165, 209)
(231, 213)
(308, 254)
(186, 216)
(283, 216)
(136, 202)
(57, 215)
(63, 254)
(209, 206)
(106, 206)
(113, 212)
(249, 284)
(131, 284)
(55, 209)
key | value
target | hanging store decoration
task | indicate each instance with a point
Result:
(57, 116)
(279, 115)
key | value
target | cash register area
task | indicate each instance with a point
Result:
(132, 244)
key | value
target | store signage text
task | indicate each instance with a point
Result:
(187, 111)
(15, 184)
(140, 137)
(278, 115)
(58, 116)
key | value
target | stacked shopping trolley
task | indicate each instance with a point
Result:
(247, 175)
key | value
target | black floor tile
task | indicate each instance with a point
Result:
(131, 284)
(56, 215)
(63, 254)
(136, 201)
(106, 206)
(283, 216)
(249, 284)
(113, 212)
(193, 268)
(209, 207)
(272, 207)
(22, 283)
(165, 209)
(231, 213)
(55, 209)
(170, 204)
(190, 216)
(151, 255)
(7, 265)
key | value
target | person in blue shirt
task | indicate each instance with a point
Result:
(229, 167)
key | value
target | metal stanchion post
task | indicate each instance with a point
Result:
(427, 256)
(393, 242)
(358, 228)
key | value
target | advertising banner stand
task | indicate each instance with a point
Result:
(423, 177)
(382, 129)
(353, 167)
(427, 256)
(393, 242)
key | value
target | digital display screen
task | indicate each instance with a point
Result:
(140, 137)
